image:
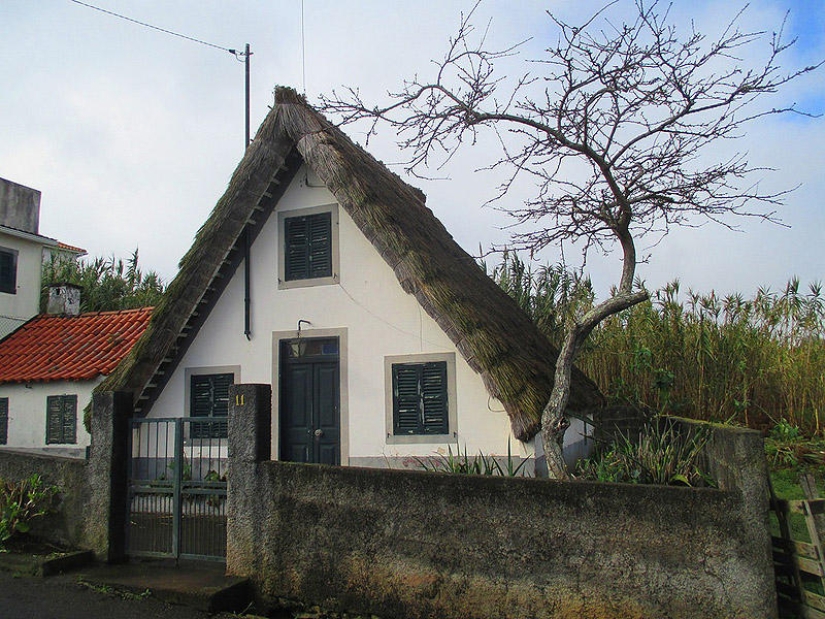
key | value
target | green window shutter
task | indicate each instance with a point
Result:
(61, 419)
(320, 245)
(420, 403)
(434, 396)
(201, 396)
(296, 253)
(8, 271)
(70, 419)
(308, 246)
(210, 399)
(54, 427)
(4, 421)
(406, 400)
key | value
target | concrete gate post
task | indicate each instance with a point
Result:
(250, 439)
(108, 458)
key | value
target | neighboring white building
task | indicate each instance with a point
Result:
(321, 273)
(22, 251)
(48, 370)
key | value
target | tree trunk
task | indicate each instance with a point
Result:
(554, 422)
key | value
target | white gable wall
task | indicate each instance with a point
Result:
(27, 415)
(378, 318)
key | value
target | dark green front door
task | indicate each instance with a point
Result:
(309, 419)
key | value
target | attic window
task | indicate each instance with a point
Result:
(8, 270)
(308, 251)
(310, 247)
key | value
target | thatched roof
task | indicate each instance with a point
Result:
(515, 360)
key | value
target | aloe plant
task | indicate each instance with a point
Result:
(465, 464)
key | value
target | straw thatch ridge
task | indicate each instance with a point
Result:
(515, 361)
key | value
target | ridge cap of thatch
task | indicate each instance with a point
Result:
(285, 95)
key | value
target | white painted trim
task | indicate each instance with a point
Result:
(452, 404)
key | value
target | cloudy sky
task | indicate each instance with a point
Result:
(132, 134)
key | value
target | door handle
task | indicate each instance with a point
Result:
(319, 433)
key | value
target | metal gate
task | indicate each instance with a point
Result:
(177, 488)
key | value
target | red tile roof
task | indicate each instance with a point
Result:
(81, 347)
(71, 248)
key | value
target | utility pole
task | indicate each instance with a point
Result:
(247, 300)
(246, 56)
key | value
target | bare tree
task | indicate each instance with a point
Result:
(614, 123)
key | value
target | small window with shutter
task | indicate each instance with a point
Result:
(61, 419)
(308, 251)
(309, 247)
(420, 398)
(4, 421)
(8, 271)
(209, 399)
(420, 403)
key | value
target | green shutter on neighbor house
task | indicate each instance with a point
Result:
(70, 419)
(61, 419)
(8, 271)
(308, 246)
(210, 398)
(420, 398)
(4, 421)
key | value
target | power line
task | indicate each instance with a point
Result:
(145, 25)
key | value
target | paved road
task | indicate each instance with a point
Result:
(61, 597)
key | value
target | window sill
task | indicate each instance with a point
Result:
(308, 283)
(420, 439)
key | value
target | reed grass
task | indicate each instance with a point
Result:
(752, 361)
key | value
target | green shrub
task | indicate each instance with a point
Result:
(660, 455)
(787, 448)
(20, 503)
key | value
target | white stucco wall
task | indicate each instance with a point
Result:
(376, 317)
(27, 415)
(26, 302)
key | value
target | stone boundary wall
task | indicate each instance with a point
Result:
(91, 513)
(416, 544)
(67, 524)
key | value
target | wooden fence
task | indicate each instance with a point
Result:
(800, 564)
